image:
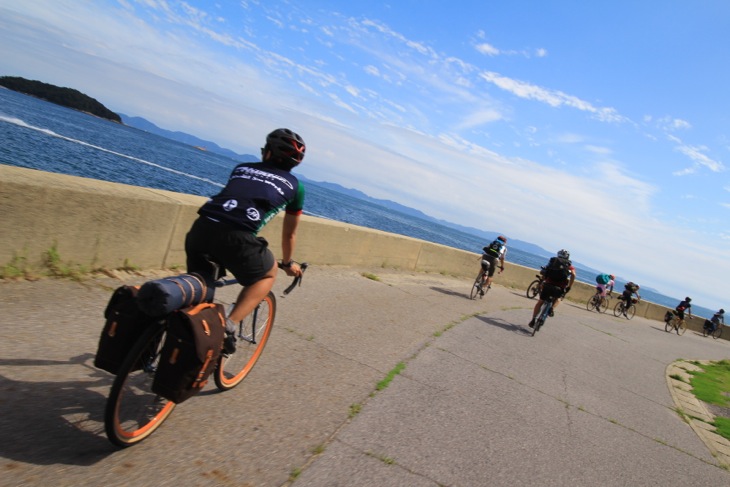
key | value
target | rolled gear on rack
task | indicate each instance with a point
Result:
(163, 296)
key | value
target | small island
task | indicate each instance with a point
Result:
(66, 97)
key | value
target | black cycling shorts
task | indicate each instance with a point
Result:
(551, 292)
(492, 263)
(210, 245)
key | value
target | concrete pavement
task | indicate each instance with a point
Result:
(479, 402)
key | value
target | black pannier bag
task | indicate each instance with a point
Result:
(190, 352)
(163, 296)
(124, 324)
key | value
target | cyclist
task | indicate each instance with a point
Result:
(630, 288)
(226, 231)
(684, 306)
(604, 285)
(494, 252)
(559, 278)
(716, 320)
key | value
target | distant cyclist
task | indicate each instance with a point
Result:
(559, 278)
(604, 285)
(493, 253)
(716, 320)
(627, 296)
(684, 306)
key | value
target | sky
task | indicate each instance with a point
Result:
(600, 127)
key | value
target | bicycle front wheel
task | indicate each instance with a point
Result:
(133, 412)
(533, 289)
(618, 309)
(718, 332)
(681, 327)
(605, 304)
(251, 338)
(630, 312)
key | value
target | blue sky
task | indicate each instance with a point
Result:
(601, 127)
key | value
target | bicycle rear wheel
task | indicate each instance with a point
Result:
(251, 338)
(669, 326)
(477, 287)
(718, 332)
(533, 289)
(591, 303)
(618, 309)
(133, 412)
(630, 312)
(541, 317)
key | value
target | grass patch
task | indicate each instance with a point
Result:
(712, 384)
(370, 276)
(391, 375)
(355, 409)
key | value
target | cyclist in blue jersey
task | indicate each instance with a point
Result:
(225, 235)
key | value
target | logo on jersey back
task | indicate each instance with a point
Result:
(230, 205)
(253, 214)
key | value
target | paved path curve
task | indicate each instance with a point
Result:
(479, 402)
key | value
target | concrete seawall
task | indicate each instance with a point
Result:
(97, 224)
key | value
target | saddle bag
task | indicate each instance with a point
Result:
(190, 352)
(163, 296)
(124, 324)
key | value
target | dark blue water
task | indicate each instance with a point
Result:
(39, 135)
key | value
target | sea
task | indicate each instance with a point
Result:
(40, 135)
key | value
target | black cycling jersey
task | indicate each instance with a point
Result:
(255, 193)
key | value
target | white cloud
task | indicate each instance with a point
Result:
(487, 49)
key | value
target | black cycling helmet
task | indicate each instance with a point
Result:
(285, 148)
(688, 299)
(502, 238)
(722, 311)
(563, 254)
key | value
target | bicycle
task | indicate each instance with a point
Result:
(600, 305)
(535, 286)
(621, 309)
(674, 323)
(478, 288)
(133, 412)
(707, 329)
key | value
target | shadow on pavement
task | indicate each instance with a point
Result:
(46, 422)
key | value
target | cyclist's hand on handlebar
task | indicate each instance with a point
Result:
(293, 269)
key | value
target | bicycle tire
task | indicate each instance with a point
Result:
(133, 412)
(681, 327)
(618, 309)
(476, 288)
(533, 289)
(631, 312)
(541, 317)
(251, 338)
(718, 332)
(591, 304)
(669, 326)
(705, 331)
(604, 306)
